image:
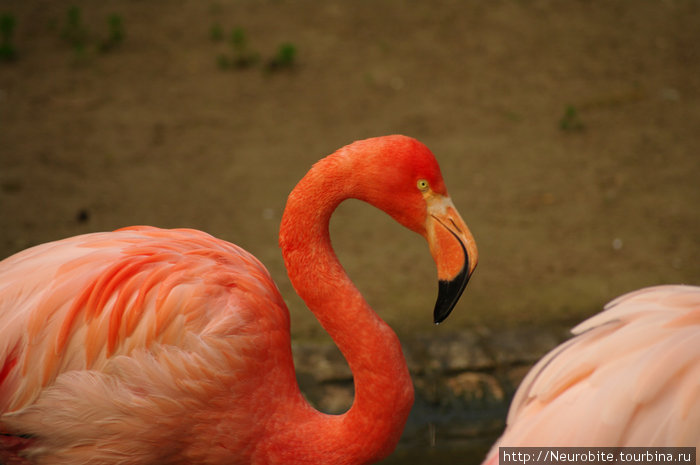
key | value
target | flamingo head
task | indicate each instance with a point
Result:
(400, 175)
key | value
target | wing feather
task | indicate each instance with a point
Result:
(630, 376)
(77, 303)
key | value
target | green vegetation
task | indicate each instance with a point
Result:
(241, 55)
(285, 58)
(115, 23)
(7, 27)
(76, 34)
(74, 31)
(216, 33)
(571, 120)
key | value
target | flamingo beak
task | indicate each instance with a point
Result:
(454, 251)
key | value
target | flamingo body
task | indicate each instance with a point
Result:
(630, 377)
(152, 346)
(165, 321)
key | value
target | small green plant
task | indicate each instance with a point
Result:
(284, 59)
(216, 33)
(241, 56)
(7, 28)
(571, 120)
(223, 61)
(115, 37)
(238, 39)
(74, 31)
(76, 34)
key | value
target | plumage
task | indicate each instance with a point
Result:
(152, 346)
(130, 328)
(629, 377)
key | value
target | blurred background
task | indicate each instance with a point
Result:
(568, 135)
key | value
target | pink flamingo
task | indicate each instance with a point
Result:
(630, 378)
(151, 346)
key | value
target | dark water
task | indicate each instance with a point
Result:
(464, 455)
(450, 436)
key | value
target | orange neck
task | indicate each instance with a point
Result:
(371, 428)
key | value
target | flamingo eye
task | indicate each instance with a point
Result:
(423, 185)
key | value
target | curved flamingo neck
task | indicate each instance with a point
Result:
(371, 428)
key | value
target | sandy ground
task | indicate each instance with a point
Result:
(568, 210)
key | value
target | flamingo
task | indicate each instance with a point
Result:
(152, 346)
(630, 377)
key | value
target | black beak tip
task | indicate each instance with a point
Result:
(449, 293)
